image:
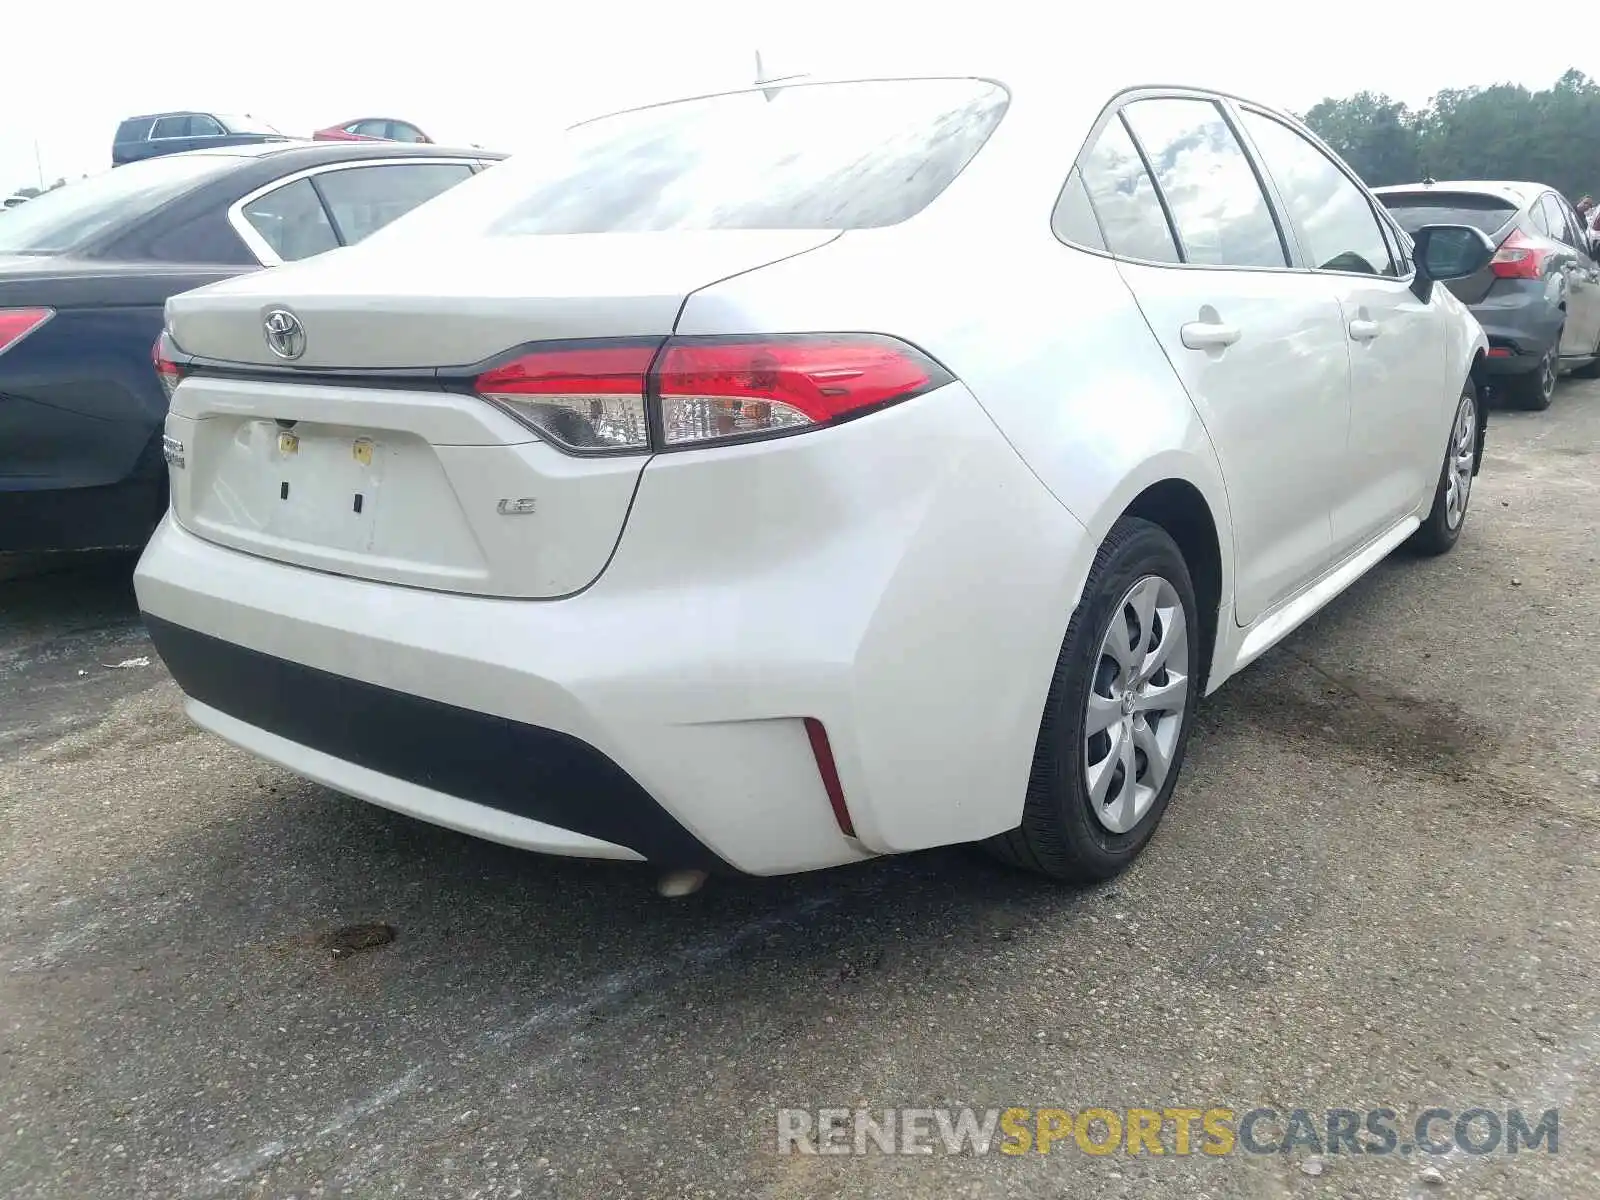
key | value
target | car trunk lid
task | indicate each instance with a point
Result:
(356, 458)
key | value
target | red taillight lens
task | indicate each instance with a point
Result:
(588, 398)
(1518, 258)
(715, 389)
(18, 323)
(168, 371)
(602, 396)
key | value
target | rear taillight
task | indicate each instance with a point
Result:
(696, 391)
(1518, 258)
(168, 370)
(715, 390)
(582, 397)
(18, 323)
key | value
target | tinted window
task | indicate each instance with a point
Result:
(1413, 210)
(292, 221)
(171, 127)
(1124, 198)
(818, 156)
(401, 132)
(375, 129)
(1540, 220)
(1338, 229)
(1210, 188)
(201, 125)
(69, 216)
(134, 131)
(362, 200)
(1074, 219)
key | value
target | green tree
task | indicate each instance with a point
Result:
(1498, 131)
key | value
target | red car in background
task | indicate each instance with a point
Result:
(372, 129)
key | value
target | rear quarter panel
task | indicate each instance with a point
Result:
(1053, 348)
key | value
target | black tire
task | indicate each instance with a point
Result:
(1060, 836)
(1436, 534)
(1535, 390)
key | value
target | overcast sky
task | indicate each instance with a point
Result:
(493, 72)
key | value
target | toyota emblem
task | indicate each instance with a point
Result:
(286, 337)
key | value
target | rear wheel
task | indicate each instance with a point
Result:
(1537, 388)
(1442, 528)
(1116, 722)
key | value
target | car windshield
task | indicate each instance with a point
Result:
(1413, 210)
(812, 156)
(67, 217)
(237, 124)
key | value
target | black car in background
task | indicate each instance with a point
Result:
(85, 271)
(157, 134)
(1538, 300)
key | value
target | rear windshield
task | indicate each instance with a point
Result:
(69, 216)
(813, 156)
(1413, 210)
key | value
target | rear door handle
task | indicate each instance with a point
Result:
(1209, 335)
(1364, 331)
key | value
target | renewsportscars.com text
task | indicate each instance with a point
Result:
(1215, 1131)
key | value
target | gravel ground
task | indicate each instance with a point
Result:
(1376, 888)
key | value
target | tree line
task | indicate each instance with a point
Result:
(1498, 132)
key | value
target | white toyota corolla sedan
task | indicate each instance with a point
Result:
(771, 480)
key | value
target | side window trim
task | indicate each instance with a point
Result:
(1334, 162)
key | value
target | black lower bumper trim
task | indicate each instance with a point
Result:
(525, 770)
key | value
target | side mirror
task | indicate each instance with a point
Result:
(1446, 252)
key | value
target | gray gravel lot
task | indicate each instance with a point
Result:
(1377, 887)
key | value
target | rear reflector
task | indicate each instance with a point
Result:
(633, 396)
(18, 323)
(823, 753)
(1518, 258)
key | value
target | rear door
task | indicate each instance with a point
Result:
(1398, 420)
(1259, 347)
(1582, 329)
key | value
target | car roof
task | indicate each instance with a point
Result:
(306, 153)
(1518, 192)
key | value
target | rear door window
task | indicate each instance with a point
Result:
(362, 200)
(1338, 229)
(1221, 214)
(806, 156)
(1413, 210)
(1124, 198)
(134, 131)
(201, 125)
(292, 221)
(171, 127)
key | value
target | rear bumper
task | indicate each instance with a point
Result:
(1522, 320)
(535, 787)
(49, 514)
(903, 579)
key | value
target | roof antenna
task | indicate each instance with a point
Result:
(762, 82)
